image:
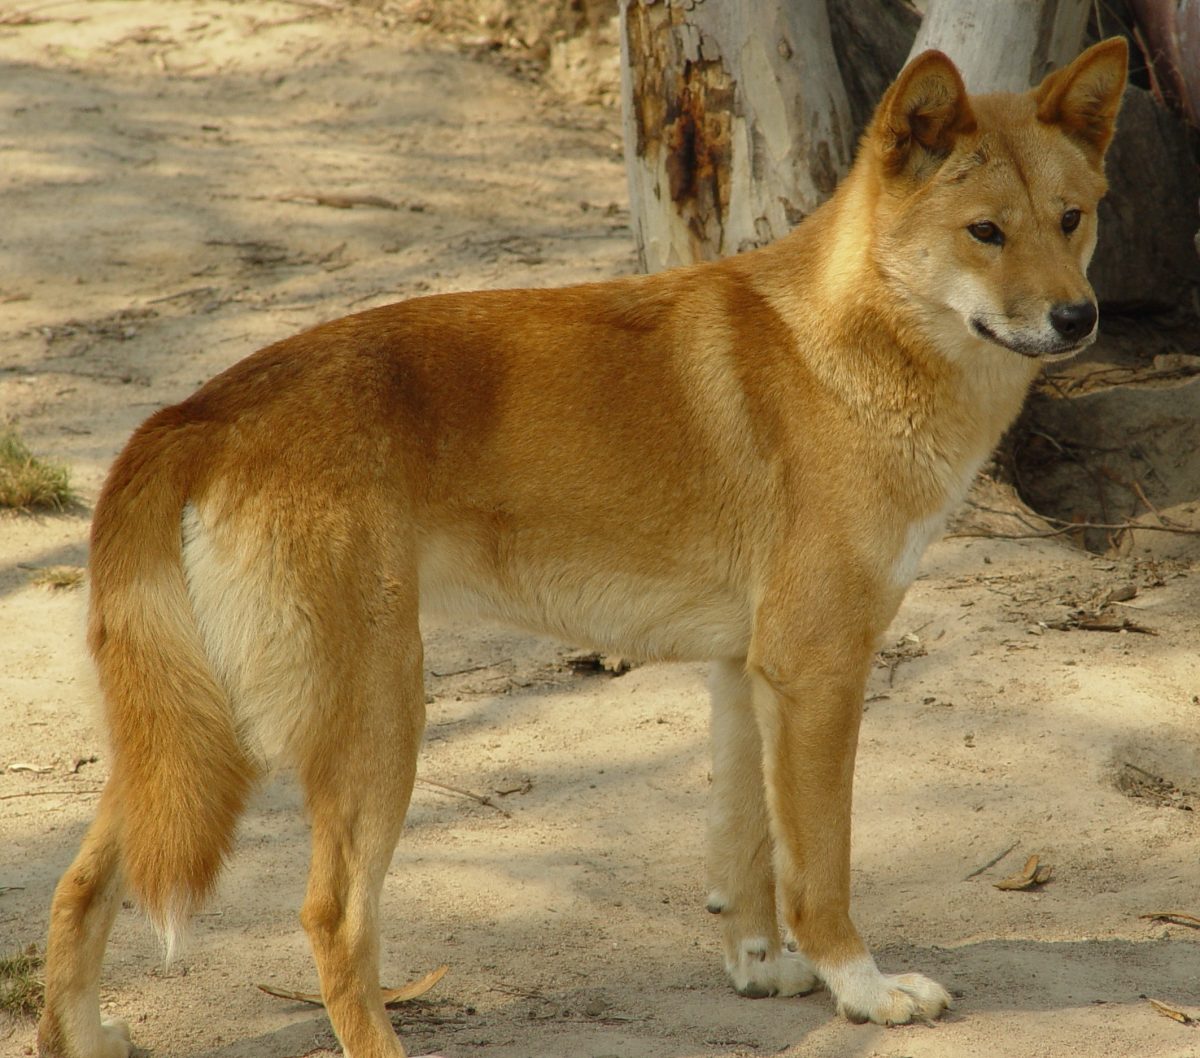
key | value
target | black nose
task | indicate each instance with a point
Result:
(1075, 321)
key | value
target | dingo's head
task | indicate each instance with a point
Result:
(986, 214)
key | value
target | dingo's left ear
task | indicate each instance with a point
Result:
(1084, 98)
(921, 115)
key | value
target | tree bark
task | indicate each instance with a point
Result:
(871, 39)
(1004, 45)
(737, 125)
(1170, 35)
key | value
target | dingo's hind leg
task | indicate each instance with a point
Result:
(358, 769)
(85, 904)
(741, 878)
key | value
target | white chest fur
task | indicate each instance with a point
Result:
(920, 533)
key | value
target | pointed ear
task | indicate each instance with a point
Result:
(921, 115)
(1083, 98)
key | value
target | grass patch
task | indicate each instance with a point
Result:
(21, 985)
(28, 483)
(58, 578)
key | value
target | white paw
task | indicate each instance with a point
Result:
(864, 994)
(758, 972)
(84, 1034)
(111, 1041)
(114, 1039)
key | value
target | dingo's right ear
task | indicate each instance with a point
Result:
(920, 116)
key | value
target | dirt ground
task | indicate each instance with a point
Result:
(183, 182)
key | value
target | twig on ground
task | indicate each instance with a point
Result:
(1136, 486)
(182, 294)
(318, 198)
(992, 862)
(479, 798)
(469, 668)
(1068, 527)
(47, 793)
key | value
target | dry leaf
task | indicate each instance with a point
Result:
(416, 988)
(1033, 873)
(1174, 1014)
(390, 995)
(1178, 917)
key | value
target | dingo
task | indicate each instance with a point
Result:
(740, 461)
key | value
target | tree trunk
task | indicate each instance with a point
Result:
(871, 39)
(1171, 35)
(737, 125)
(1004, 45)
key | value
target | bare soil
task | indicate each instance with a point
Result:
(184, 182)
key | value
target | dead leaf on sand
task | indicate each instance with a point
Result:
(1174, 1013)
(1033, 873)
(1179, 918)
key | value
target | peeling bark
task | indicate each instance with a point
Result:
(736, 123)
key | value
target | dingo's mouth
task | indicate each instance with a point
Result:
(1034, 350)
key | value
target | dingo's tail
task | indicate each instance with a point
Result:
(180, 773)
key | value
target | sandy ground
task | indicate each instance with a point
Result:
(167, 172)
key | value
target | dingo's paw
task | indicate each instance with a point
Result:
(864, 994)
(102, 1039)
(756, 973)
(114, 1039)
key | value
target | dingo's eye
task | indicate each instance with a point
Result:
(1070, 220)
(986, 231)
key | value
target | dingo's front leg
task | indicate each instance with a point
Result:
(807, 694)
(740, 876)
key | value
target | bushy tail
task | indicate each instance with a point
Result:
(181, 776)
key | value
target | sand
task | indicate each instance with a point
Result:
(183, 182)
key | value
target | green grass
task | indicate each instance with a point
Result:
(28, 483)
(21, 984)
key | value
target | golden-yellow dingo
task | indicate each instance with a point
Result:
(740, 462)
